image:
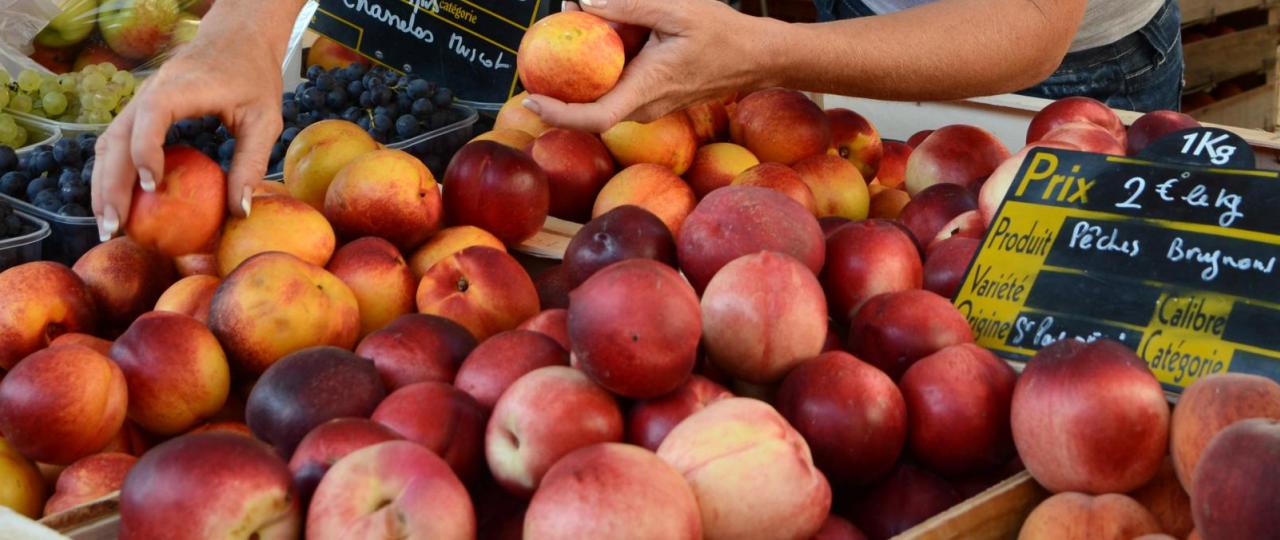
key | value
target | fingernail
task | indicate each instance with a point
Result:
(147, 181)
(246, 200)
(532, 106)
(593, 3)
(109, 225)
(564, 6)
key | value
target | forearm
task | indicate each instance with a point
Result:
(944, 50)
(266, 24)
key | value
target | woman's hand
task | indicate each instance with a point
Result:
(234, 75)
(699, 49)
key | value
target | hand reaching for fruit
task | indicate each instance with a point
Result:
(673, 70)
(231, 70)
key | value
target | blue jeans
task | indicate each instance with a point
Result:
(1140, 72)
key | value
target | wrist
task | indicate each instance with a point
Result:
(771, 52)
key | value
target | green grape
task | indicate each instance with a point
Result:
(67, 82)
(96, 117)
(28, 80)
(20, 138)
(54, 103)
(93, 82)
(126, 81)
(5, 79)
(107, 69)
(4, 97)
(20, 103)
(49, 86)
(101, 102)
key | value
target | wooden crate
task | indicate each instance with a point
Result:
(995, 514)
(1195, 11)
(1254, 109)
(1225, 57)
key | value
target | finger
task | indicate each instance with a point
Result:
(113, 176)
(646, 13)
(569, 6)
(616, 106)
(255, 136)
(151, 124)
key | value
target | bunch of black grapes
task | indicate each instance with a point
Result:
(54, 177)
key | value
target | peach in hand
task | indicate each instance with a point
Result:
(193, 192)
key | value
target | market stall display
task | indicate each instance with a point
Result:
(736, 334)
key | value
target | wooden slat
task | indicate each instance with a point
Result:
(1195, 11)
(1229, 56)
(995, 514)
(1254, 109)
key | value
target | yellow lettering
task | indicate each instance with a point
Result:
(1035, 172)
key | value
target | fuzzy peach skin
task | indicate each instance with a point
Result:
(573, 56)
(447, 242)
(780, 125)
(716, 165)
(316, 155)
(514, 115)
(277, 223)
(124, 278)
(838, 188)
(192, 193)
(23, 489)
(190, 296)
(782, 179)
(275, 304)
(613, 490)
(514, 138)
(381, 280)
(62, 403)
(669, 141)
(1077, 516)
(394, 489)
(385, 193)
(89, 478)
(651, 187)
(176, 371)
(38, 302)
(751, 471)
(482, 288)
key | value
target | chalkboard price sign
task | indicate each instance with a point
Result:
(467, 45)
(1177, 261)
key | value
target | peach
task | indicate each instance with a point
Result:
(918, 137)
(1088, 137)
(958, 405)
(851, 414)
(1076, 109)
(740, 220)
(442, 418)
(316, 155)
(838, 188)
(1065, 441)
(40, 301)
(956, 154)
(856, 140)
(275, 304)
(482, 288)
(175, 369)
(904, 499)
(502, 359)
(887, 204)
(633, 342)
(577, 166)
(553, 323)
(394, 489)
(23, 490)
(308, 388)
(192, 192)
(1078, 516)
(514, 115)
(893, 164)
(205, 264)
(270, 187)
(190, 296)
(946, 264)
(447, 242)
(329, 442)
(763, 314)
(894, 330)
(993, 191)
(780, 125)
(780, 178)
(838, 528)
(417, 348)
(385, 193)
(380, 279)
(87, 479)
(573, 56)
(278, 223)
(527, 433)
(553, 286)
(626, 232)
(1237, 482)
(866, 259)
(649, 421)
(651, 187)
(330, 54)
(710, 119)
(1211, 404)
(128, 440)
(498, 189)
(751, 472)
(716, 165)
(62, 403)
(613, 490)
(513, 138)
(1153, 125)
(245, 488)
(96, 343)
(931, 210)
(124, 278)
(669, 141)
(1167, 501)
(238, 428)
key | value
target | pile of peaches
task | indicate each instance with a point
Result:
(749, 337)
